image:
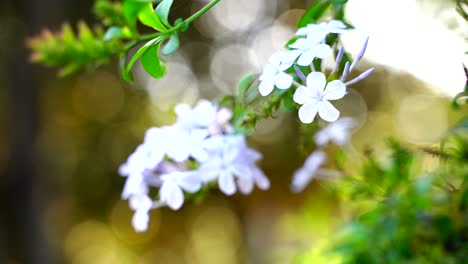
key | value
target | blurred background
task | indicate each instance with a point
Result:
(62, 140)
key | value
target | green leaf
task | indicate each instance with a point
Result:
(151, 62)
(245, 83)
(116, 33)
(172, 45)
(339, 2)
(111, 13)
(315, 12)
(148, 17)
(86, 38)
(131, 9)
(163, 11)
(140, 52)
(69, 69)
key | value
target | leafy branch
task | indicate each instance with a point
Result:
(73, 51)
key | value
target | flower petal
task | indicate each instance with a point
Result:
(299, 44)
(190, 182)
(316, 34)
(302, 31)
(245, 186)
(322, 51)
(204, 113)
(241, 171)
(315, 160)
(226, 183)
(300, 180)
(283, 80)
(306, 58)
(266, 86)
(140, 202)
(302, 95)
(328, 112)
(261, 179)
(336, 26)
(307, 112)
(171, 194)
(182, 110)
(140, 221)
(289, 58)
(316, 81)
(335, 90)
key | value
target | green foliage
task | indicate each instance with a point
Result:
(413, 215)
(110, 13)
(462, 7)
(73, 51)
(121, 18)
(319, 8)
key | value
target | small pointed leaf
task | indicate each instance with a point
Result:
(172, 45)
(163, 11)
(148, 17)
(155, 66)
(140, 52)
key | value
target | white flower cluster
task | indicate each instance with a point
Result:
(339, 133)
(198, 149)
(315, 96)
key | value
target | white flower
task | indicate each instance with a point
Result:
(307, 172)
(309, 48)
(155, 145)
(315, 97)
(321, 30)
(141, 204)
(232, 162)
(171, 191)
(273, 73)
(337, 132)
(180, 144)
(202, 115)
(133, 169)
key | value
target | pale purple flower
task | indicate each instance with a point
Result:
(308, 171)
(221, 123)
(232, 163)
(202, 115)
(174, 184)
(205, 114)
(338, 132)
(180, 144)
(315, 98)
(258, 178)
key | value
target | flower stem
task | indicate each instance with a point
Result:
(200, 12)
